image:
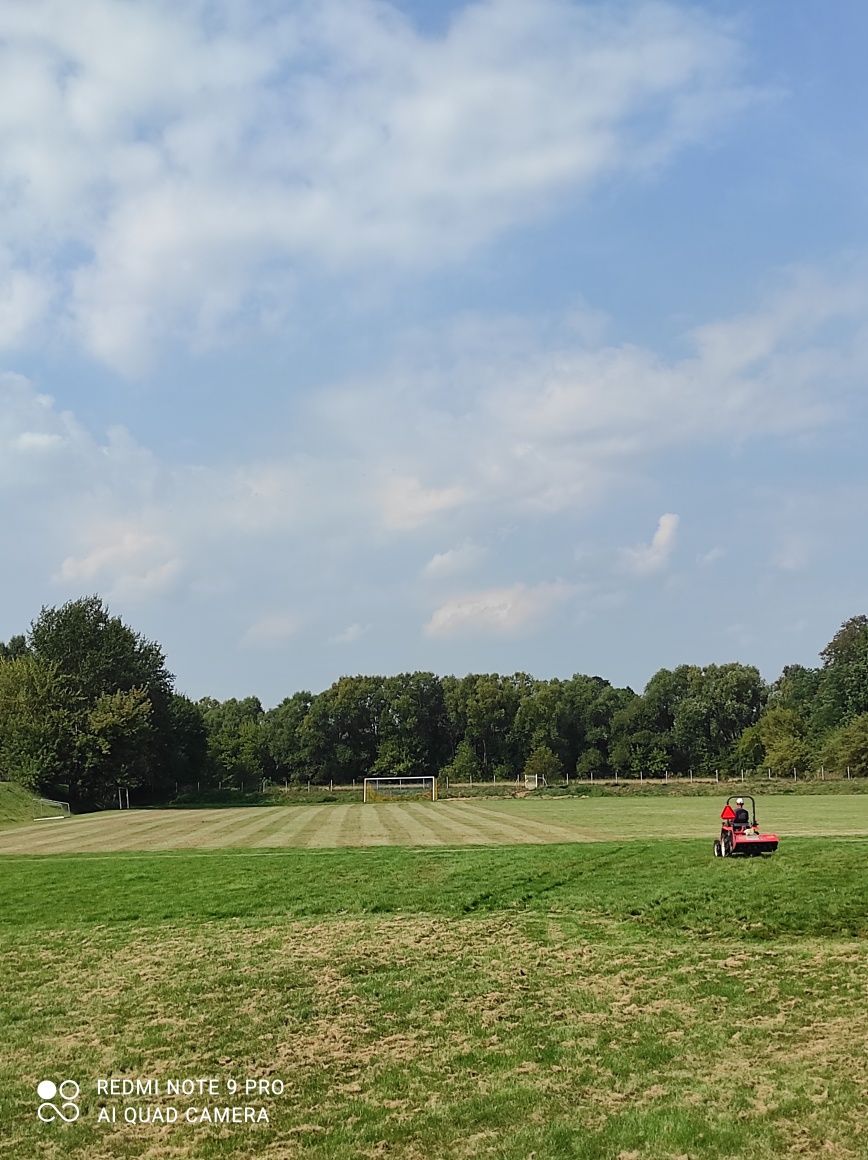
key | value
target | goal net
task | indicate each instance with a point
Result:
(385, 789)
(534, 781)
(48, 810)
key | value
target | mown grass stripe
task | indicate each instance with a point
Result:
(524, 830)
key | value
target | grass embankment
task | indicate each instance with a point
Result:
(18, 805)
(621, 1000)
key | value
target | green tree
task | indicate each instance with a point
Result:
(545, 764)
(187, 743)
(15, 648)
(413, 733)
(464, 766)
(843, 688)
(491, 709)
(237, 743)
(283, 736)
(847, 747)
(96, 655)
(778, 741)
(113, 749)
(40, 724)
(340, 735)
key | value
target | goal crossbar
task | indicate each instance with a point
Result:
(63, 807)
(379, 789)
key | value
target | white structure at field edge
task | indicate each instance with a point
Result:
(384, 789)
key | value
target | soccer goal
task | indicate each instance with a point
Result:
(50, 811)
(534, 780)
(386, 789)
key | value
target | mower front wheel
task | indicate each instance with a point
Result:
(718, 850)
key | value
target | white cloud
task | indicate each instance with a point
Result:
(270, 631)
(37, 441)
(24, 299)
(127, 562)
(706, 559)
(454, 561)
(653, 557)
(350, 634)
(501, 421)
(793, 554)
(497, 611)
(197, 157)
(484, 431)
(407, 503)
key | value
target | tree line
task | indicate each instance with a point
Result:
(87, 706)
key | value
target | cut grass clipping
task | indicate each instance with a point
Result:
(634, 1000)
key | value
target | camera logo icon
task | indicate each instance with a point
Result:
(66, 1093)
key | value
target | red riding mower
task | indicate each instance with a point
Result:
(739, 833)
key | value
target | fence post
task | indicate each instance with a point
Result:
(691, 775)
(717, 776)
(120, 801)
(770, 773)
(822, 773)
(848, 773)
(331, 784)
(308, 787)
(568, 777)
(616, 776)
(641, 775)
(742, 775)
(794, 773)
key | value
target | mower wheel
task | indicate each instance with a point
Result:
(717, 849)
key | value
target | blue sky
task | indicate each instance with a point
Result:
(362, 337)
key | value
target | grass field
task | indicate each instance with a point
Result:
(446, 823)
(600, 1000)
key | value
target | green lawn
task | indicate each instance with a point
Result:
(627, 1000)
(475, 821)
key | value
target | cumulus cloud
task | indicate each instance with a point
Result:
(194, 158)
(271, 631)
(497, 611)
(350, 634)
(406, 503)
(499, 433)
(537, 423)
(653, 557)
(127, 562)
(453, 561)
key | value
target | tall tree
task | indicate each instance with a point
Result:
(843, 690)
(413, 734)
(105, 694)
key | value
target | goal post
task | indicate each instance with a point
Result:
(387, 789)
(50, 811)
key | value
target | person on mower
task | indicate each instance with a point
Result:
(741, 821)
